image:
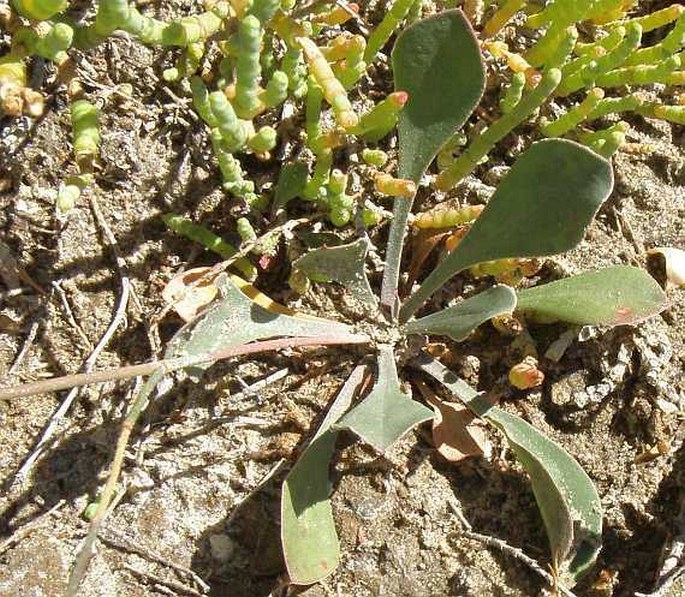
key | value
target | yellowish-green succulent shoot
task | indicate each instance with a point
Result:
(482, 144)
(333, 90)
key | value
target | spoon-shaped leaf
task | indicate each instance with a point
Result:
(459, 321)
(542, 207)
(437, 61)
(237, 319)
(388, 412)
(343, 264)
(310, 542)
(617, 295)
(568, 501)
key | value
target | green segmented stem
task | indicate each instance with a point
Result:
(209, 240)
(39, 10)
(574, 116)
(263, 141)
(201, 101)
(564, 48)
(374, 157)
(595, 139)
(84, 123)
(293, 66)
(481, 145)
(671, 113)
(51, 43)
(659, 18)
(554, 52)
(320, 175)
(381, 34)
(447, 218)
(513, 93)
(615, 105)
(264, 10)
(248, 68)
(382, 118)
(233, 130)
(349, 54)
(333, 90)
(245, 230)
(119, 14)
(559, 15)
(610, 145)
(592, 73)
(69, 192)
(639, 75)
(503, 15)
(313, 114)
(231, 171)
(607, 43)
(349, 72)
(672, 43)
(276, 90)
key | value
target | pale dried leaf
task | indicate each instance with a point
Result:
(188, 301)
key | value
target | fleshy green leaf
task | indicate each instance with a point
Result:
(459, 321)
(387, 413)
(343, 264)
(567, 499)
(310, 542)
(291, 182)
(542, 207)
(617, 295)
(236, 319)
(438, 62)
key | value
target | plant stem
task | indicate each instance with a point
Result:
(169, 365)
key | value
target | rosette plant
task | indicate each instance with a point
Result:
(542, 207)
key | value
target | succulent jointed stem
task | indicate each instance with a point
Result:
(481, 145)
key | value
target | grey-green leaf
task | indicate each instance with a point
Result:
(388, 412)
(542, 207)
(344, 264)
(616, 295)
(235, 319)
(567, 499)
(459, 321)
(310, 542)
(291, 182)
(438, 62)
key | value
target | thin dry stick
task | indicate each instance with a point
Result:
(70, 315)
(28, 528)
(121, 541)
(169, 365)
(33, 330)
(119, 318)
(504, 547)
(178, 588)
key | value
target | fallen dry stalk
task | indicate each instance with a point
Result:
(168, 365)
